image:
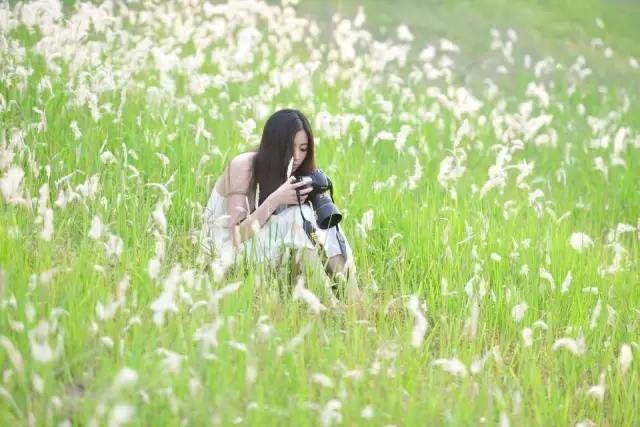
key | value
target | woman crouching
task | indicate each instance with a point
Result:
(260, 209)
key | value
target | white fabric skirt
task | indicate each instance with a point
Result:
(281, 233)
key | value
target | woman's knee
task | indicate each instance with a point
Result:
(307, 256)
(338, 262)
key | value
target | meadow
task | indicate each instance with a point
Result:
(494, 218)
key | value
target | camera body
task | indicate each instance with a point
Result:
(327, 214)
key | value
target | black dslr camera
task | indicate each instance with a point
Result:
(327, 214)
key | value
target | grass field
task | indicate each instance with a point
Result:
(561, 29)
(492, 201)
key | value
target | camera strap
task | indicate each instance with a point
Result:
(339, 234)
(311, 231)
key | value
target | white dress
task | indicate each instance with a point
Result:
(280, 233)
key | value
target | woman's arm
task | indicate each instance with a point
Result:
(236, 184)
(242, 226)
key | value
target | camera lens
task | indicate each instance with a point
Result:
(327, 214)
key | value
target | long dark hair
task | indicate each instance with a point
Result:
(276, 150)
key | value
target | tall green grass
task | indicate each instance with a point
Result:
(493, 253)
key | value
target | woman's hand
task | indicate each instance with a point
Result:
(286, 194)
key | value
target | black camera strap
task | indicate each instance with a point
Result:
(339, 235)
(311, 231)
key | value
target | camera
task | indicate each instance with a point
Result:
(327, 214)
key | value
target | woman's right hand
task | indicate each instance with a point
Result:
(286, 194)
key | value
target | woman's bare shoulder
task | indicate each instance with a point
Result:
(237, 174)
(243, 162)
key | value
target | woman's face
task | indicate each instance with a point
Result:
(300, 144)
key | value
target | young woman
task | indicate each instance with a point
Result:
(254, 208)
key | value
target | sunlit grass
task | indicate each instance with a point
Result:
(481, 303)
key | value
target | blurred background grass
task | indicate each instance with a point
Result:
(560, 28)
(557, 28)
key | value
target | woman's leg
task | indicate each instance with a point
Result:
(344, 277)
(309, 261)
(339, 260)
(341, 267)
